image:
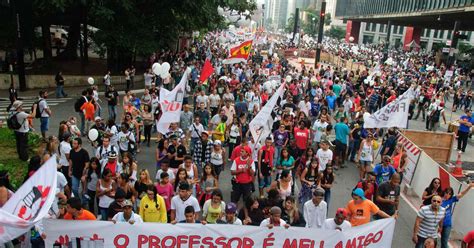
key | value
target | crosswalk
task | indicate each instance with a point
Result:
(27, 103)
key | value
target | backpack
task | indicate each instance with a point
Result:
(12, 121)
(112, 148)
(436, 115)
(38, 112)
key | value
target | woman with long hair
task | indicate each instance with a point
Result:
(365, 156)
(153, 207)
(327, 180)
(161, 152)
(123, 183)
(433, 189)
(218, 158)
(181, 177)
(130, 167)
(147, 123)
(141, 185)
(291, 214)
(310, 179)
(251, 213)
(208, 183)
(92, 177)
(105, 192)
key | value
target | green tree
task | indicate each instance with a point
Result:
(336, 32)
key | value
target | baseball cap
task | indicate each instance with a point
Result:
(231, 208)
(342, 211)
(217, 143)
(247, 149)
(112, 154)
(359, 192)
(127, 203)
(97, 118)
(16, 105)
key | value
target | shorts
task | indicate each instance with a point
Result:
(264, 182)
(340, 148)
(44, 124)
(365, 163)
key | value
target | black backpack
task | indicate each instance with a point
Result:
(436, 115)
(38, 112)
(78, 104)
(12, 121)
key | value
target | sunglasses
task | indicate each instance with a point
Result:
(435, 201)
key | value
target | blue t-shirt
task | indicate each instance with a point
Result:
(342, 131)
(382, 173)
(448, 205)
(331, 101)
(464, 128)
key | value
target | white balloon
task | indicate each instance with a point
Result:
(288, 78)
(165, 67)
(165, 75)
(220, 10)
(351, 39)
(93, 134)
(275, 55)
(157, 68)
(90, 80)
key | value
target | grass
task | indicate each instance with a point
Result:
(9, 160)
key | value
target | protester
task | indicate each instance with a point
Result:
(315, 210)
(274, 220)
(428, 220)
(127, 215)
(361, 209)
(76, 212)
(153, 206)
(339, 222)
(181, 201)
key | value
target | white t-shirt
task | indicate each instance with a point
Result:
(170, 175)
(305, 107)
(179, 205)
(330, 224)
(199, 127)
(43, 105)
(22, 119)
(135, 217)
(214, 100)
(347, 106)
(266, 221)
(319, 128)
(324, 158)
(114, 131)
(61, 182)
(202, 99)
(123, 140)
(64, 148)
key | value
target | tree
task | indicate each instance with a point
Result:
(336, 32)
(290, 24)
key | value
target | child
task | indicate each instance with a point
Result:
(89, 111)
(208, 183)
(181, 177)
(165, 189)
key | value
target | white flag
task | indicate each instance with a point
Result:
(261, 124)
(171, 103)
(30, 204)
(394, 114)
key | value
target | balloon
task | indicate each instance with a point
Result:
(90, 80)
(165, 75)
(275, 55)
(288, 78)
(165, 67)
(93, 135)
(351, 39)
(157, 68)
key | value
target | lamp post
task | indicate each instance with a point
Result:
(320, 33)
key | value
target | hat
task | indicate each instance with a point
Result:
(97, 118)
(127, 203)
(206, 133)
(112, 154)
(231, 208)
(16, 105)
(217, 143)
(247, 149)
(342, 211)
(359, 192)
(275, 210)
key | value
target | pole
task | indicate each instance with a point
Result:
(295, 26)
(320, 33)
(16, 6)
(387, 43)
(454, 43)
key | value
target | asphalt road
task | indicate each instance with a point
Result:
(345, 178)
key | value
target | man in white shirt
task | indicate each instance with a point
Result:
(64, 150)
(315, 210)
(319, 127)
(45, 112)
(274, 219)
(202, 98)
(102, 152)
(181, 201)
(305, 106)
(127, 215)
(339, 222)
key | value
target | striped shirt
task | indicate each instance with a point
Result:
(430, 221)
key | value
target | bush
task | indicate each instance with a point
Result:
(9, 160)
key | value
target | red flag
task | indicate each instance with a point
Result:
(206, 71)
(239, 53)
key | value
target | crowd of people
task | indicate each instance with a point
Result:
(285, 180)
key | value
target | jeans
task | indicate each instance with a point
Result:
(193, 143)
(277, 154)
(445, 236)
(22, 145)
(103, 213)
(421, 242)
(147, 133)
(327, 196)
(76, 182)
(83, 122)
(112, 112)
(462, 140)
(60, 91)
(354, 146)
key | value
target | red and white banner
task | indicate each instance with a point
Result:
(101, 233)
(171, 104)
(30, 203)
(413, 154)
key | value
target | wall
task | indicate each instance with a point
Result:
(47, 81)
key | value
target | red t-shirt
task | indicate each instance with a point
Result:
(391, 98)
(369, 193)
(301, 137)
(469, 239)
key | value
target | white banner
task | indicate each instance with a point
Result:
(261, 124)
(413, 154)
(106, 234)
(171, 104)
(394, 114)
(30, 203)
